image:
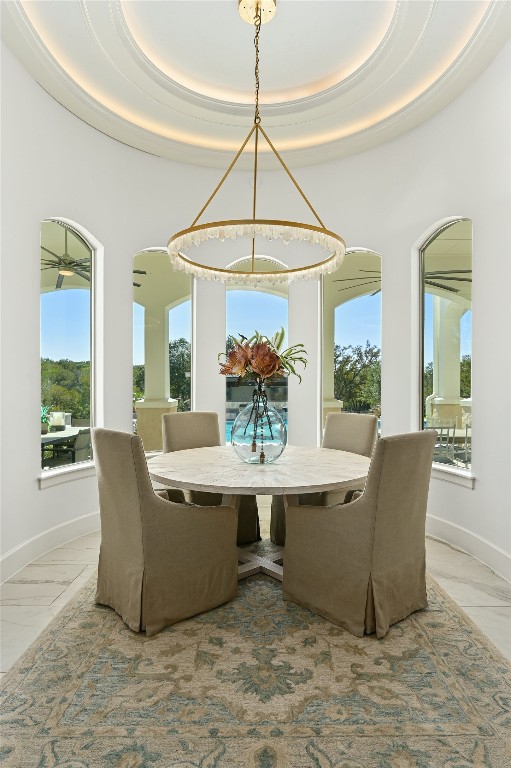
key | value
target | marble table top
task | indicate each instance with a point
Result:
(297, 470)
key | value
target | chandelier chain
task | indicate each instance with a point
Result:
(257, 24)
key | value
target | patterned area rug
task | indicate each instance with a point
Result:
(257, 683)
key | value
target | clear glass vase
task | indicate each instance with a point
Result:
(259, 434)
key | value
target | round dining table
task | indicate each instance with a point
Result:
(218, 469)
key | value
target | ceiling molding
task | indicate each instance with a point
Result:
(85, 56)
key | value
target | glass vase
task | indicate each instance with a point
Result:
(259, 434)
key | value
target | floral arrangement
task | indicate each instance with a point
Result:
(261, 358)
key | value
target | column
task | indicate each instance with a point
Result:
(156, 400)
(444, 404)
(208, 339)
(330, 403)
(156, 353)
(305, 327)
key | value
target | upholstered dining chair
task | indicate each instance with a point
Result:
(200, 429)
(159, 561)
(362, 564)
(353, 432)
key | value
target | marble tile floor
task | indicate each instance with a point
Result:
(30, 599)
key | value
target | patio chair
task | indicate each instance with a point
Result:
(353, 432)
(444, 445)
(159, 562)
(463, 448)
(362, 565)
(75, 450)
(200, 429)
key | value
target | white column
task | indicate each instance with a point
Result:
(156, 353)
(305, 327)
(208, 339)
(330, 403)
(446, 338)
(328, 351)
(157, 399)
(445, 403)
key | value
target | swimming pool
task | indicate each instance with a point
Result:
(228, 429)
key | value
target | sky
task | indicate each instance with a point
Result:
(65, 324)
(65, 330)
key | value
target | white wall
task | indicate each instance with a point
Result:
(457, 163)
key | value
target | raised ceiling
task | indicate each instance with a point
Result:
(176, 78)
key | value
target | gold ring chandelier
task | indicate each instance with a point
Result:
(257, 12)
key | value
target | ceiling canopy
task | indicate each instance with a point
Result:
(176, 79)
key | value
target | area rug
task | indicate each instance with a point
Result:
(257, 683)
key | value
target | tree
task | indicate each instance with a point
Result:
(138, 382)
(466, 376)
(428, 380)
(356, 376)
(180, 371)
(65, 386)
(371, 388)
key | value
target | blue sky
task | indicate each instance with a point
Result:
(65, 322)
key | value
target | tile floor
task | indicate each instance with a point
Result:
(31, 598)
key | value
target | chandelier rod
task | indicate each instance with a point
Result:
(210, 198)
(279, 158)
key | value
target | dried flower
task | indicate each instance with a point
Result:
(238, 360)
(261, 357)
(264, 361)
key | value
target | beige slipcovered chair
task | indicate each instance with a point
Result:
(200, 429)
(159, 561)
(362, 565)
(353, 432)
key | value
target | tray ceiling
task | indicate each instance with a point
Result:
(176, 78)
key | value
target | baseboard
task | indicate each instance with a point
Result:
(17, 558)
(483, 550)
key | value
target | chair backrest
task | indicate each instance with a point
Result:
(354, 432)
(124, 483)
(190, 429)
(82, 440)
(397, 485)
(81, 446)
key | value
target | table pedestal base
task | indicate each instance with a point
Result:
(271, 565)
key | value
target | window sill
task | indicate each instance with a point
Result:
(66, 474)
(453, 475)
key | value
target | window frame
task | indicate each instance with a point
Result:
(444, 472)
(48, 478)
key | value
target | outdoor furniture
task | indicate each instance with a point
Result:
(353, 432)
(463, 444)
(49, 443)
(362, 565)
(159, 561)
(74, 450)
(200, 429)
(444, 445)
(298, 470)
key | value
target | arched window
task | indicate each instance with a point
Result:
(161, 343)
(67, 277)
(446, 403)
(352, 335)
